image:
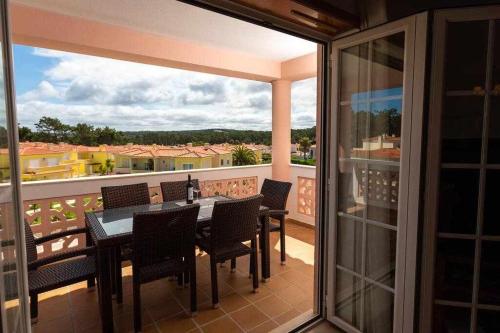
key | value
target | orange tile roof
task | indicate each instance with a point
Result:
(392, 154)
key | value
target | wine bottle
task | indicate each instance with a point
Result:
(189, 191)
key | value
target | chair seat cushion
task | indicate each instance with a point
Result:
(161, 269)
(61, 274)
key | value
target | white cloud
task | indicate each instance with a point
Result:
(44, 90)
(304, 95)
(132, 96)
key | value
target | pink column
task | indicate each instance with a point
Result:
(281, 136)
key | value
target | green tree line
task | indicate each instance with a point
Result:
(52, 130)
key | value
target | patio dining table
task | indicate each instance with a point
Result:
(110, 228)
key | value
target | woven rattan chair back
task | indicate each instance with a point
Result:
(275, 194)
(234, 221)
(125, 195)
(164, 234)
(31, 253)
(172, 191)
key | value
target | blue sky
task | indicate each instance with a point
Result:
(131, 96)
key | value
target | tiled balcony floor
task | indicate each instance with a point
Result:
(286, 295)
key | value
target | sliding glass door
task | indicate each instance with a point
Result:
(373, 123)
(14, 316)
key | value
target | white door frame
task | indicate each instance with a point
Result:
(415, 28)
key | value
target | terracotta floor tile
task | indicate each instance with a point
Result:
(304, 306)
(292, 295)
(273, 306)
(251, 296)
(287, 294)
(59, 325)
(224, 324)
(83, 298)
(177, 324)
(150, 329)
(294, 276)
(125, 323)
(224, 289)
(96, 328)
(307, 286)
(233, 302)
(164, 309)
(287, 316)
(238, 280)
(196, 330)
(60, 292)
(276, 282)
(85, 317)
(306, 269)
(183, 296)
(265, 327)
(249, 317)
(206, 314)
(52, 308)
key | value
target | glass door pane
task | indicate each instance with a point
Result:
(12, 297)
(369, 157)
(462, 254)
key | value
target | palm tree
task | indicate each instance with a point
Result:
(107, 167)
(243, 156)
(305, 144)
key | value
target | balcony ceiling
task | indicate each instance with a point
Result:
(182, 21)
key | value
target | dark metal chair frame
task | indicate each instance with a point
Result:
(118, 197)
(163, 245)
(275, 197)
(233, 222)
(176, 190)
(58, 270)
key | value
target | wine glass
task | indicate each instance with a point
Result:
(196, 194)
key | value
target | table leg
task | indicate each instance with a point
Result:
(88, 243)
(266, 251)
(104, 286)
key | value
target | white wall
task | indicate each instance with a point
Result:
(295, 172)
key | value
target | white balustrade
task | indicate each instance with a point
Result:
(56, 205)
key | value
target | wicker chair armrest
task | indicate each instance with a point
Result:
(278, 212)
(61, 256)
(59, 235)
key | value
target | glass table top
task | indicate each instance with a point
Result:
(119, 220)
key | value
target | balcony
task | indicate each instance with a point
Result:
(59, 204)
(56, 205)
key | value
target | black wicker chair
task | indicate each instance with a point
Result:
(233, 222)
(163, 245)
(172, 191)
(58, 270)
(118, 197)
(275, 196)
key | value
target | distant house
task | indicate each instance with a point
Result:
(151, 158)
(382, 147)
(43, 161)
(95, 157)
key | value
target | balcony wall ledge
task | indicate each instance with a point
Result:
(84, 185)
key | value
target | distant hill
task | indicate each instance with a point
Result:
(212, 136)
(49, 129)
